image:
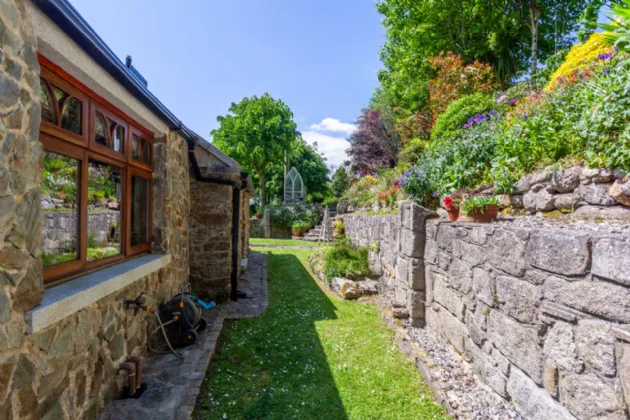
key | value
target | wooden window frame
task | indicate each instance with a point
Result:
(84, 148)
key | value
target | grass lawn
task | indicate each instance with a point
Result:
(311, 356)
(287, 242)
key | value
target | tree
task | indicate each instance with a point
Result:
(256, 133)
(509, 35)
(375, 144)
(309, 163)
(551, 24)
(340, 182)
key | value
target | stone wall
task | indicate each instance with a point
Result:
(257, 228)
(60, 227)
(69, 370)
(244, 228)
(211, 239)
(585, 191)
(540, 310)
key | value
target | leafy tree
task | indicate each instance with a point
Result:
(309, 163)
(375, 144)
(340, 182)
(551, 24)
(256, 133)
(508, 35)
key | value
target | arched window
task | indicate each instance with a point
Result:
(294, 191)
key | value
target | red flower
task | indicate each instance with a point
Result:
(448, 201)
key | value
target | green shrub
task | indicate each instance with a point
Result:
(451, 121)
(301, 224)
(411, 152)
(285, 215)
(346, 260)
(478, 203)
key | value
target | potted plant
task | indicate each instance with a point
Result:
(482, 209)
(299, 227)
(452, 208)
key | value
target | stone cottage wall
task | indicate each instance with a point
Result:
(68, 370)
(540, 311)
(211, 239)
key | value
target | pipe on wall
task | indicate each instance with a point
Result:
(130, 368)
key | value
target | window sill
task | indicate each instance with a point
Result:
(61, 301)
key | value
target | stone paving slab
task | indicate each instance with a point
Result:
(174, 383)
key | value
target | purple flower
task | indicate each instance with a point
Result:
(605, 57)
(513, 101)
(524, 117)
(606, 71)
(493, 112)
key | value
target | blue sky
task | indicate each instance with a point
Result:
(319, 56)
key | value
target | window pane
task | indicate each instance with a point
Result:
(60, 210)
(139, 211)
(60, 95)
(100, 131)
(118, 137)
(48, 109)
(104, 210)
(71, 116)
(135, 147)
(146, 152)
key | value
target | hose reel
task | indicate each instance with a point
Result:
(180, 320)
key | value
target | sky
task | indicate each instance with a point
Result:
(319, 56)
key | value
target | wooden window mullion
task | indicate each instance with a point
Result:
(84, 214)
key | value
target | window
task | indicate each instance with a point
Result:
(97, 179)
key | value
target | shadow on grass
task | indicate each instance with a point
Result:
(274, 366)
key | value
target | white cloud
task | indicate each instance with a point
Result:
(333, 148)
(333, 125)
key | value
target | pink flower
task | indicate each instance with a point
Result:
(501, 99)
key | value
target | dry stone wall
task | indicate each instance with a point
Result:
(587, 192)
(540, 311)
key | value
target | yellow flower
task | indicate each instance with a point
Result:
(580, 57)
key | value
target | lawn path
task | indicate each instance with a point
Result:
(311, 356)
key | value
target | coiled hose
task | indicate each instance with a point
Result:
(161, 327)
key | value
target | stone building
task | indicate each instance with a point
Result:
(104, 194)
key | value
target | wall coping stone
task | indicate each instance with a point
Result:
(61, 301)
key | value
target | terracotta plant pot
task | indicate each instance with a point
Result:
(453, 213)
(489, 214)
(297, 232)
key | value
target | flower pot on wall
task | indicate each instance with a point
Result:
(487, 215)
(453, 213)
(297, 232)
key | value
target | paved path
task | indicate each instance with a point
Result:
(174, 383)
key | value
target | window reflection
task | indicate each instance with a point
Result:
(71, 116)
(47, 105)
(139, 211)
(60, 214)
(104, 210)
(135, 147)
(100, 132)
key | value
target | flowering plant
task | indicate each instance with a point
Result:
(450, 202)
